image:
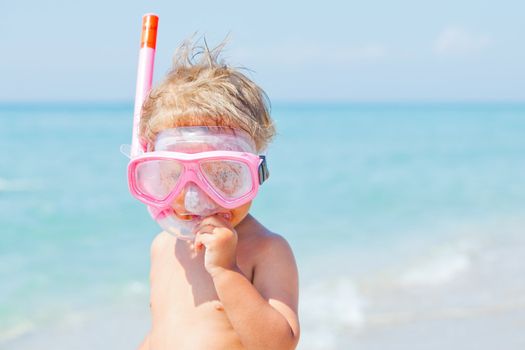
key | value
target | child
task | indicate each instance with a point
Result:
(234, 285)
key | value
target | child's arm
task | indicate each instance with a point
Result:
(145, 343)
(263, 314)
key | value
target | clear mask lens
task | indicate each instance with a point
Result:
(231, 179)
(158, 178)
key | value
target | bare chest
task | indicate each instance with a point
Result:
(182, 289)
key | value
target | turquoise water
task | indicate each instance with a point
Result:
(349, 183)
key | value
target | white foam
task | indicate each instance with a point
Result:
(19, 185)
(329, 308)
(441, 265)
(16, 331)
(436, 271)
(334, 302)
(136, 288)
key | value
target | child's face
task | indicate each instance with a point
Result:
(192, 202)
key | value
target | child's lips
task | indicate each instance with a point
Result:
(190, 217)
(187, 217)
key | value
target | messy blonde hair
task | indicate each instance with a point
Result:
(200, 90)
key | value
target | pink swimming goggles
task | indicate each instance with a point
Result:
(219, 161)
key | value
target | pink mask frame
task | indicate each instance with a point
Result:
(192, 172)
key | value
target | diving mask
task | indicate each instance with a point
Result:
(195, 172)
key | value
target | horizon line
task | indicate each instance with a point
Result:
(320, 102)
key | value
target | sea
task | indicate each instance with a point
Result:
(407, 221)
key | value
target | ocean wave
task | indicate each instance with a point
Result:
(328, 309)
(437, 269)
(19, 185)
(16, 331)
(135, 288)
(387, 319)
(431, 260)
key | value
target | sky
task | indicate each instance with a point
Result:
(447, 50)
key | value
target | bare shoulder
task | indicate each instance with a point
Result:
(160, 243)
(260, 242)
(270, 254)
(272, 245)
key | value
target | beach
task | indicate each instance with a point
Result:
(407, 222)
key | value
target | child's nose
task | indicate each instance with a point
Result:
(194, 200)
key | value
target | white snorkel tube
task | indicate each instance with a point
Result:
(148, 45)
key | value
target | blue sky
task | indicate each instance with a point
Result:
(297, 50)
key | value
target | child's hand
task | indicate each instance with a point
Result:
(219, 239)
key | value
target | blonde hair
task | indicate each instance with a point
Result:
(201, 91)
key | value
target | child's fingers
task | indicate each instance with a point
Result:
(204, 228)
(212, 231)
(216, 220)
(213, 225)
(202, 239)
